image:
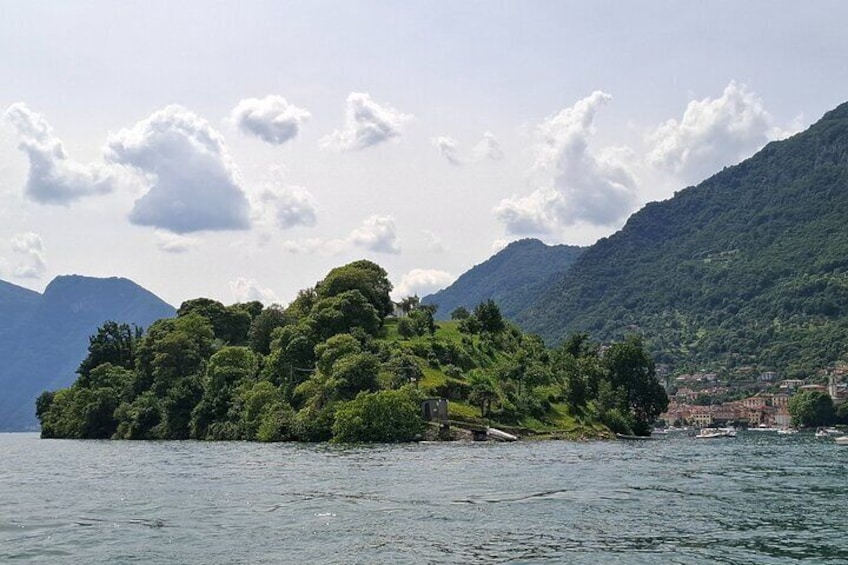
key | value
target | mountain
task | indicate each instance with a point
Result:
(44, 337)
(512, 277)
(750, 267)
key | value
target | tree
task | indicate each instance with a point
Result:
(631, 369)
(409, 303)
(460, 313)
(263, 325)
(482, 391)
(384, 416)
(113, 343)
(342, 312)
(811, 408)
(403, 369)
(423, 319)
(489, 316)
(364, 276)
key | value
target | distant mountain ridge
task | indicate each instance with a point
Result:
(750, 267)
(513, 278)
(44, 337)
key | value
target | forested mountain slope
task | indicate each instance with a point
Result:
(748, 267)
(513, 278)
(44, 337)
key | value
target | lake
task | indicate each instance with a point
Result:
(760, 498)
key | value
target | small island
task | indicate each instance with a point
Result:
(344, 363)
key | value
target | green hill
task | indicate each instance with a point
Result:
(748, 267)
(513, 278)
(332, 365)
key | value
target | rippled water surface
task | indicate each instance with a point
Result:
(761, 498)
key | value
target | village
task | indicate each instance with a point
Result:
(692, 404)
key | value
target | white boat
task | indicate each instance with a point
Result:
(822, 433)
(833, 431)
(787, 431)
(500, 435)
(841, 440)
(715, 433)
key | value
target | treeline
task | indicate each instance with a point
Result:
(334, 366)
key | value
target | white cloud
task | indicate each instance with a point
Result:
(447, 146)
(272, 119)
(248, 290)
(377, 233)
(488, 148)
(713, 133)
(366, 123)
(433, 242)
(195, 184)
(422, 282)
(581, 186)
(53, 177)
(287, 206)
(29, 246)
(499, 245)
(174, 243)
(536, 213)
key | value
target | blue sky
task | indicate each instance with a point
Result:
(240, 150)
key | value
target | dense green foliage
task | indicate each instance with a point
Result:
(749, 267)
(513, 278)
(331, 367)
(812, 408)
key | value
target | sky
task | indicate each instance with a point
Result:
(240, 150)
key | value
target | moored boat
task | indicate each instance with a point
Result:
(841, 440)
(715, 433)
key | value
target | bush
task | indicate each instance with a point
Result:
(384, 416)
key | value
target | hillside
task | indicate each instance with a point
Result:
(513, 278)
(748, 267)
(336, 368)
(45, 336)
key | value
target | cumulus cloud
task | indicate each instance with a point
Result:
(287, 206)
(433, 242)
(272, 119)
(30, 248)
(447, 146)
(53, 177)
(367, 123)
(488, 148)
(713, 133)
(377, 233)
(422, 282)
(581, 186)
(248, 290)
(195, 184)
(175, 243)
(537, 213)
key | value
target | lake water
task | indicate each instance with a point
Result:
(761, 498)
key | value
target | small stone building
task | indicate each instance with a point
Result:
(435, 410)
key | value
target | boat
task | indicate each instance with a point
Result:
(787, 431)
(659, 431)
(822, 433)
(841, 440)
(715, 433)
(833, 431)
(500, 435)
